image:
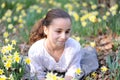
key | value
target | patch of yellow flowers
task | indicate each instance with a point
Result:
(53, 76)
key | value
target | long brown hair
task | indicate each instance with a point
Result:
(37, 31)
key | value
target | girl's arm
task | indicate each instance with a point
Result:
(68, 77)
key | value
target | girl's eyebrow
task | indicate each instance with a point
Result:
(61, 29)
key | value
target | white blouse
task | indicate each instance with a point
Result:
(42, 60)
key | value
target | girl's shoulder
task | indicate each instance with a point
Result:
(38, 43)
(37, 46)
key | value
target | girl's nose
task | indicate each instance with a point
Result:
(63, 36)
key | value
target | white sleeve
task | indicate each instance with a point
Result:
(36, 65)
(75, 63)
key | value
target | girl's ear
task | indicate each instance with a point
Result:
(45, 30)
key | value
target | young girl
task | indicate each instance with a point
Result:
(53, 49)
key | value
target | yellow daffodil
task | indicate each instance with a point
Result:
(76, 38)
(69, 7)
(19, 7)
(15, 18)
(78, 71)
(10, 47)
(6, 40)
(76, 16)
(3, 77)
(17, 59)
(4, 58)
(8, 19)
(83, 23)
(4, 50)
(27, 60)
(23, 13)
(8, 13)
(1, 71)
(94, 7)
(104, 68)
(14, 30)
(51, 76)
(104, 17)
(93, 18)
(84, 4)
(42, 1)
(21, 25)
(7, 64)
(16, 53)
(94, 74)
(114, 7)
(10, 26)
(3, 5)
(93, 44)
(13, 42)
(20, 20)
(6, 34)
(107, 13)
(39, 10)
(3, 18)
(99, 20)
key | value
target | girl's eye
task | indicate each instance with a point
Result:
(67, 32)
(58, 31)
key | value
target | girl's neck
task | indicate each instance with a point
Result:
(51, 47)
(56, 53)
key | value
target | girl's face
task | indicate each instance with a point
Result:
(58, 32)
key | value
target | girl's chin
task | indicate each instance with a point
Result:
(60, 44)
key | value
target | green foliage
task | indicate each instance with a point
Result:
(113, 62)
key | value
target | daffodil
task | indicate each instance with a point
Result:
(83, 23)
(93, 18)
(14, 30)
(17, 59)
(1, 71)
(6, 34)
(10, 47)
(4, 58)
(15, 18)
(7, 64)
(107, 13)
(42, 1)
(10, 26)
(6, 40)
(3, 5)
(8, 13)
(78, 71)
(8, 19)
(19, 7)
(104, 68)
(4, 50)
(104, 17)
(3, 77)
(84, 4)
(76, 16)
(94, 74)
(68, 6)
(76, 38)
(13, 42)
(94, 7)
(51, 76)
(27, 60)
(93, 44)
(20, 20)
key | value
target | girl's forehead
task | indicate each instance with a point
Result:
(61, 21)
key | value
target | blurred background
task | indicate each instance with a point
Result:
(95, 23)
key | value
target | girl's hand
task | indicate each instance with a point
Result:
(68, 77)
